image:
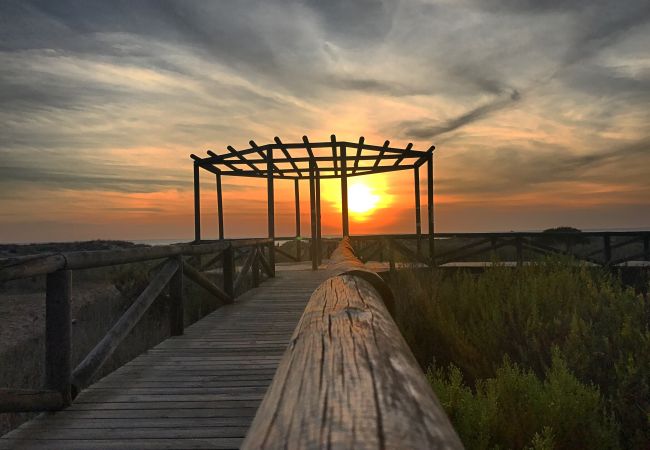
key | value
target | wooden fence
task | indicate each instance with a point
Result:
(348, 378)
(607, 249)
(62, 382)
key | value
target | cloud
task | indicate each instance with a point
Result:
(422, 130)
(521, 94)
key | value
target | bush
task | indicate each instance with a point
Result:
(535, 357)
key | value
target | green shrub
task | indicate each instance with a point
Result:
(561, 328)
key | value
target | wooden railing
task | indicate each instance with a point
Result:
(62, 383)
(607, 249)
(348, 378)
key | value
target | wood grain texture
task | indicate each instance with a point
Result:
(348, 378)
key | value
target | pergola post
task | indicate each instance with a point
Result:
(312, 204)
(270, 205)
(319, 248)
(418, 212)
(219, 204)
(430, 207)
(197, 203)
(344, 192)
(296, 189)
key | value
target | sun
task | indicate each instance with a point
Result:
(361, 198)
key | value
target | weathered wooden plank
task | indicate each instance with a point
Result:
(348, 379)
(122, 444)
(17, 400)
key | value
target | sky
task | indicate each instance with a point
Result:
(539, 111)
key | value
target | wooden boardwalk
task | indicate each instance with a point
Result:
(199, 390)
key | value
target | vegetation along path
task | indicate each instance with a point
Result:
(199, 390)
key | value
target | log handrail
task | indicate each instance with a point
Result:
(31, 265)
(348, 378)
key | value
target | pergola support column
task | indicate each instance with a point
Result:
(418, 212)
(312, 205)
(319, 241)
(197, 203)
(271, 206)
(296, 189)
(344, 192)
(430, 207)
(219, 204)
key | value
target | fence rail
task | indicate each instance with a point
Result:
(348, 378)
(62, 382)
(610, 248)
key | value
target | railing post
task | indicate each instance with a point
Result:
(646, 247)
(607, 248)
(272, 260)
(255, 268)
(176, 311)
(391, 256)
(229, 271)
(519, 244)
(58, 347)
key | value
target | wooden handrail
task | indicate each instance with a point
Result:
(31, 265)
(348, 378)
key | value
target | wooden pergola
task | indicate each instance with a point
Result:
(313, 161)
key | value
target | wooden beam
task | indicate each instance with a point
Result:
(265, 265)
(198, 278)
(232, 150)
(334, 157)
(401, 157)
(287, 155)
(358, 155)
(241, 276)
(228, 266)
(84, 372)
(418, 208)
(197, 203)
(430, 207)
(271, 205)
(319, 223)
(359, 384)
(380, 155)
(230, 164)
(344, 193)
(308, 148)
(30, 400)
(220, 205)
(176, 297)
(255, 269)
(58, 346)
(313, 223)
(260, 151)
(296, 193)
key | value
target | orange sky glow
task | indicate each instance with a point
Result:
(537, 123)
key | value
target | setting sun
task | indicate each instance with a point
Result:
(361, 198)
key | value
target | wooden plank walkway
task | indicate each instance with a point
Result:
(199, 390)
